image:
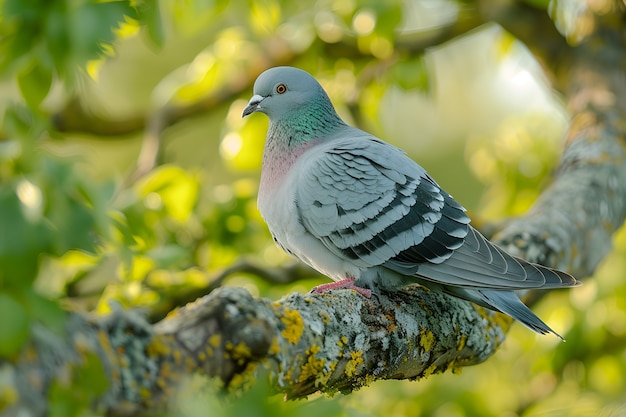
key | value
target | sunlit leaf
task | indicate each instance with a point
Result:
(264, 15)
(505, 45)
(176, 189)
(34, 83)
(243, 149)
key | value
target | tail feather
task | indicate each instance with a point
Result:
(509, 303)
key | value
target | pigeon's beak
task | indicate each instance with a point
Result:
(253, 105)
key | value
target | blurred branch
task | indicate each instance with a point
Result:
(294, 272)
(571, 224)
(277, 276)
(533, 27)
(278, 53)
(75, 118)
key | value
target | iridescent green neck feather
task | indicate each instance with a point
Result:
(313, 120)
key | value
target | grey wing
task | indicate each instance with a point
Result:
(478, 263)
(372, 205)
(364, 209)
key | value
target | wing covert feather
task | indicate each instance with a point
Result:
(367, 201)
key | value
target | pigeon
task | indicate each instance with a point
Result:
(360, 211)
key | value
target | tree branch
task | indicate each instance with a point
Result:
(287, 274)
(571, 224)
(332, 342)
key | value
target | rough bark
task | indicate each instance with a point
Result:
(334, 342)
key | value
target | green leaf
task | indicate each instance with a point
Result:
(46, 311)
(73, 398)
(34, 83)
(57, 40)
(176, 189)
(411, 75)
(92, 26)
(22, 124)
(24, 236)
(92, 375)
(388, 19)
(14, 331)
(68, 208)
(149, 14)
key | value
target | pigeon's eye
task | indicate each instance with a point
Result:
(281, 88)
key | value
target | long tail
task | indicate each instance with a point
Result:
(509, 303)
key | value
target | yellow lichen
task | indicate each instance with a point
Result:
(455, 366)
(8, 396)
(275, 347)
(157, 348)
(189, 363)
(241, 351)
(243, 379)
(215, 340)
(324, 316)
(145, 393)
(430, 370)
(356, 360)
(391, 326)
(342, 342)
(427, 339)
(462, 342)
(368, 380)
(313, 365)
(294, 326)
(177, 356)
(166, 370)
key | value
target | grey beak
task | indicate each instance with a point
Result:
(253, 105)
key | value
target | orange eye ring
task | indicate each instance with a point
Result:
(281, 88)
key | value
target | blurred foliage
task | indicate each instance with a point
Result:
(74, 231)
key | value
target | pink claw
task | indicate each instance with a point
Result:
(347, 284)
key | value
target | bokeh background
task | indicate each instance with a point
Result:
(127, 176)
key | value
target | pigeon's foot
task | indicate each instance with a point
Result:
(347, 284)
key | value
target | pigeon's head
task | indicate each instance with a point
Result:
(280, 91)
